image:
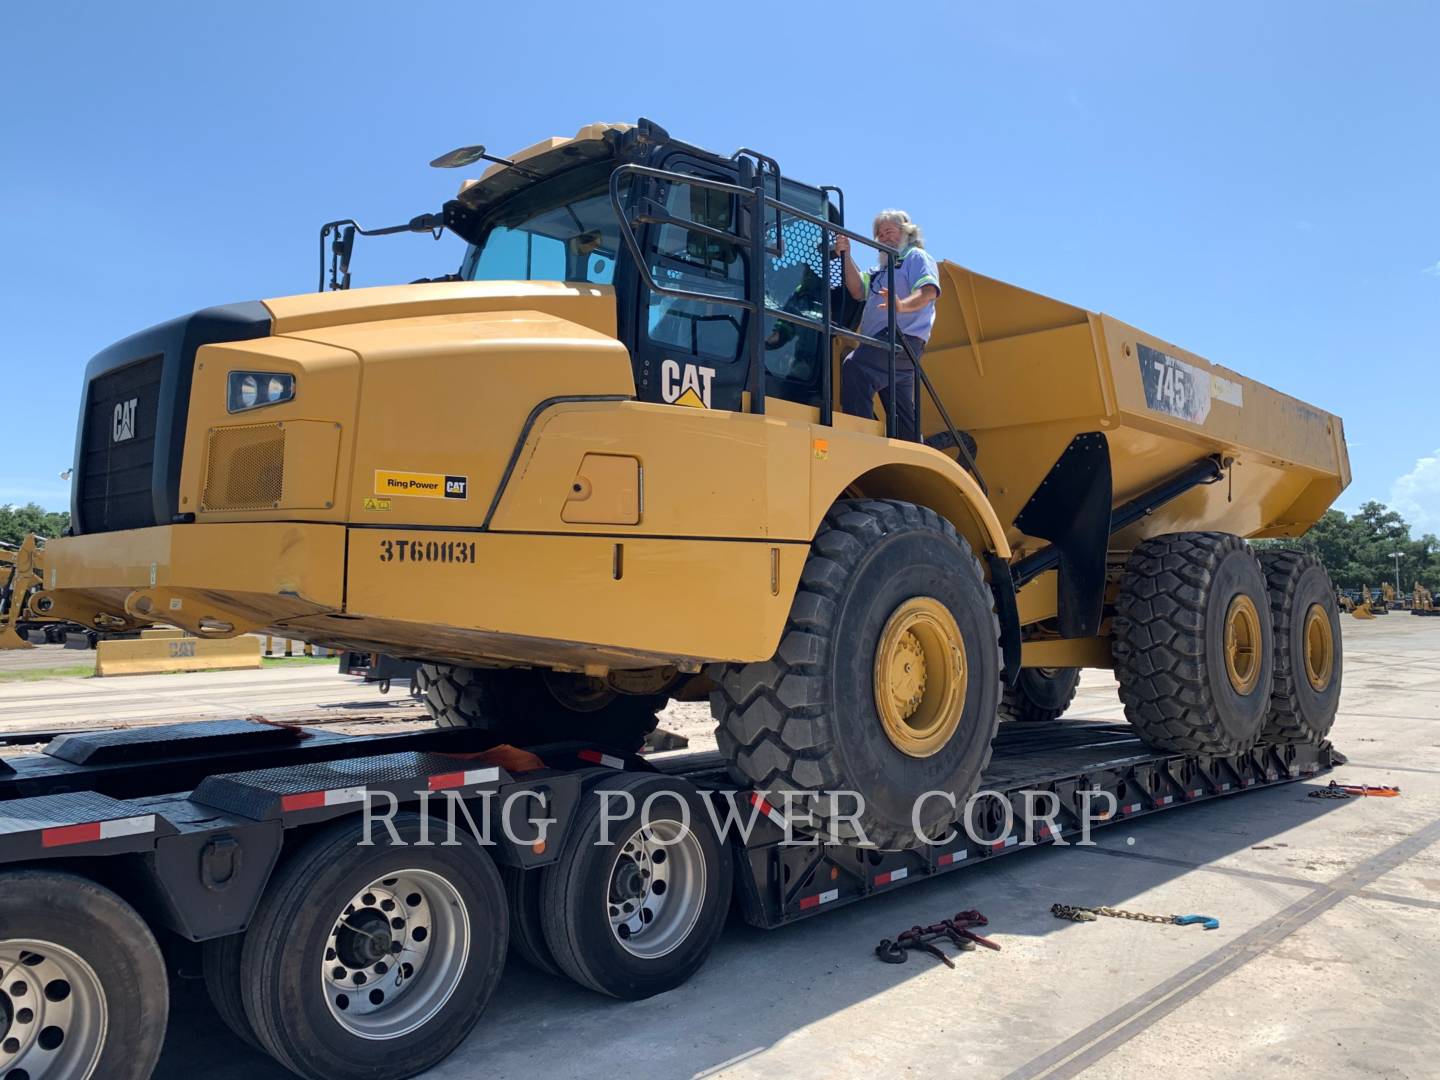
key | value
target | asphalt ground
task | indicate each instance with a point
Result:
(1326, 962)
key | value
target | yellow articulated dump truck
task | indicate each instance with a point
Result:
(601, 466)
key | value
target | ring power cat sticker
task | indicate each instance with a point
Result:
(689, 386)
(420, 485)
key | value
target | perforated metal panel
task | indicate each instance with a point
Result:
(245, 468)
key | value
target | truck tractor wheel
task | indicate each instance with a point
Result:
(637, 916)
(527, 931)
(84, 990)
(527, 705)
(1194, 650)
(220, 963)
(1308, 653)
(1040, 694)
(374, 961)
(886, 682)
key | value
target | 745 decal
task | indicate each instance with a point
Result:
(427, 551)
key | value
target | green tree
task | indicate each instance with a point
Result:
(1359, 549)
(17, 522)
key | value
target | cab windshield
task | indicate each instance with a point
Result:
(559, 229)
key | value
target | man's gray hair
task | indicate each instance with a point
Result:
(913, 236)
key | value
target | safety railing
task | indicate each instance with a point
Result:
(653, 212)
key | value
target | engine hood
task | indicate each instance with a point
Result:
(592, 306)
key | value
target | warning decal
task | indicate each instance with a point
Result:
(420, 485)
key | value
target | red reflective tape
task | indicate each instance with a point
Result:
(447, 780)
(70, 834)
(308, 801)
(597, 758)
(809, 901)
(758, 801)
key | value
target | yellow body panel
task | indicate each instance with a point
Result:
(465, 476)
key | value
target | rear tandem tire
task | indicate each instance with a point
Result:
(527, 706)
(220, 962)
(1309, 657)
(527, 929)
(1193, 644)
(663, 936)
(91, 979)
(887, 583)
(1040, 694)
(325, 942)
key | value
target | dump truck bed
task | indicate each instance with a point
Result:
(1026, 373)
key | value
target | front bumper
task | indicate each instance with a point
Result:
(212, 580)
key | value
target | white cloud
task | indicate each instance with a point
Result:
(1433, 271)
(1417, 495)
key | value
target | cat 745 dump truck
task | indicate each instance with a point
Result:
(600, 466)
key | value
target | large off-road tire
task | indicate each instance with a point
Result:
(890, 592)
(1040, 694)
(1194, 649)
(525, 705)
(637, 915)
(374, 961)
(1308, 654)
(85, 993)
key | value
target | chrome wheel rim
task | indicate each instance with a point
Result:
(656, 889)
(53, 1012)
(395, 954)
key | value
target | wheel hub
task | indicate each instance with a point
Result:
(920, 676)
(657, 889)
(365, 939)
(1242, 644)
(395, 954)
(53, 1013)
(1319, 648)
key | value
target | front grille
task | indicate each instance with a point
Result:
(244, 467)
(117, 447)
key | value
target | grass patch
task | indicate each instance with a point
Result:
(36, 674)
(293, 661)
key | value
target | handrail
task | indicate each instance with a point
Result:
(757, 202)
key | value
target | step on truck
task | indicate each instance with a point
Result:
(600, 467)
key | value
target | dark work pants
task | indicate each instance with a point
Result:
(865, 372)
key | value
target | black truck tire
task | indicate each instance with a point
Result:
(1309, 657)
(220, 963)
(528, 705)
(886, 583)
(527, 926)
(1040, 694)
(374, 961)
(1193, 643)
(85, 991)
(609, 923)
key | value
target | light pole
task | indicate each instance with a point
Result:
(1396, 556)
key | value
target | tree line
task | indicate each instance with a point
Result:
(18, 522)
(1360, 549)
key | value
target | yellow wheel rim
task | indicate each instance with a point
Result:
(1319, 648)
(1242, 644)
(920, 676)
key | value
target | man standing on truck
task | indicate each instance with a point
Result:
(917, 281)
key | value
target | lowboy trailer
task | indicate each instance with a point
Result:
(344, 959)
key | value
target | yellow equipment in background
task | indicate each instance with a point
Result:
(602, 465)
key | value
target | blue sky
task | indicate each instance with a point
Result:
(1257, 182)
